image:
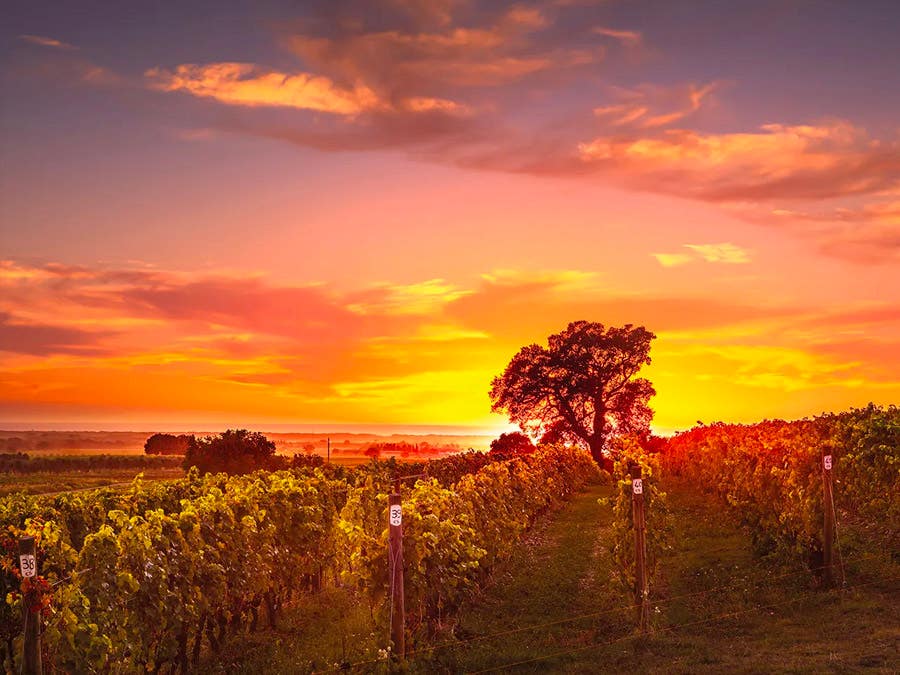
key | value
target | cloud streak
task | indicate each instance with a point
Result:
(244, 84)
(43, 41)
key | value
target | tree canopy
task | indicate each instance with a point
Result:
(233, 451)
(583, 387)
(167, 444)
(513, 444)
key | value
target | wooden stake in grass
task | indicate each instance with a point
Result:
(828, 508)
(395, 569)
(641, 588)
(31, 657)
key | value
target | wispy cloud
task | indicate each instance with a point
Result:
(725, 253)
(777, 162)
(650, 106)
(246, 85)
(629, 38)
(673, 259)
(43, 41)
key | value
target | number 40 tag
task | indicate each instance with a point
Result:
(638, 485)
(28, 565)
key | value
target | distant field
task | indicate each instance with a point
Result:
(343, 445)
(346, 449)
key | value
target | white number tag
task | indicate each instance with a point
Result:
(827, 461)
(396, 515)
(28, 565)
(638, 485)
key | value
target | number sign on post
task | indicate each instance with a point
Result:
(395, 569)
(28, 565)
(827, 462)
(637, 485)
(31, 646)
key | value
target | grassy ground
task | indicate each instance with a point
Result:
(555, 607)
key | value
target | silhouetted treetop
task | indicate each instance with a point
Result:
(513, 444)
(167, 444)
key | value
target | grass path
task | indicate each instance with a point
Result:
(558, 573)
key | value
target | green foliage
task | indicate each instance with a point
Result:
(147, 578)
(771, 475)
(454, 535)
(657, 514)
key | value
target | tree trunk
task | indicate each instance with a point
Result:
(604, 462)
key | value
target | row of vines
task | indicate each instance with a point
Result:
(152, 577)
(771, 474)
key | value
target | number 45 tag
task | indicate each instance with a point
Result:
(27, 565)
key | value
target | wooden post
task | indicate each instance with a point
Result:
(329, 450)
(828, 508)
(641, 590)
(395, 569)
(31, 657)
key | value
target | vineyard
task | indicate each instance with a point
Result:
(165, 576)
(771, 475)
(150, 577)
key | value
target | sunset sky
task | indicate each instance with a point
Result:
(341, 212)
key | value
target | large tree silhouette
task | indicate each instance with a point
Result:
(582, 387)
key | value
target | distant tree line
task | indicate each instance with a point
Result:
(20, 462)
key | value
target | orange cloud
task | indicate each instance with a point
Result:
(247, 85)
(651, 106)
(134, 341)
(777, 162)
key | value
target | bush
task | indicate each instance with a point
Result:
(167, 444)
(234, 451)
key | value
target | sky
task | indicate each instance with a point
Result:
(346, 212)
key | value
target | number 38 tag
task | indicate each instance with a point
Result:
(827, 462)
(638, 485)
(28, 565)
(396, 515)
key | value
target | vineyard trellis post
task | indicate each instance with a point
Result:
(395, 570)
(828, 509)
(641, 590)
(31, 656)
